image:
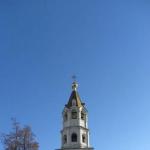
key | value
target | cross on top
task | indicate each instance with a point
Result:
(74, 84)
(74, 78)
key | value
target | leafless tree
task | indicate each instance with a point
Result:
(20, 138)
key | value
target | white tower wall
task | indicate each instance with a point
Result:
(75, 132)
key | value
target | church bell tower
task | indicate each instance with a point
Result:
(75, 132)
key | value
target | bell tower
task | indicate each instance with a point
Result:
(75, 132)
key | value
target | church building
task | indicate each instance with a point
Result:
(75, 132)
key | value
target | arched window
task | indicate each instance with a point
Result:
(82, 115)
(65, 139)
(65, 116)
(83, 138)
(74, 114)
(74, 137)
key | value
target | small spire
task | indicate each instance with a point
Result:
(74, 84)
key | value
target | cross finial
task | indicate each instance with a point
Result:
(74, 84)
(74, 78)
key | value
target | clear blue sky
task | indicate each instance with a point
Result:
(106, 43)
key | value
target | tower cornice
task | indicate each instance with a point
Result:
(65, 128)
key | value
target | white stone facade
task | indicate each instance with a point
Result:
(75, 132)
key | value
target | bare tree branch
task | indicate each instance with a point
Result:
(19, 138)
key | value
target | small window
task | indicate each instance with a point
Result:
(74, 114)
(82, 115)
(65, 139)
(83, 138)
(74, 137)
(65, 116)
(74, 102)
